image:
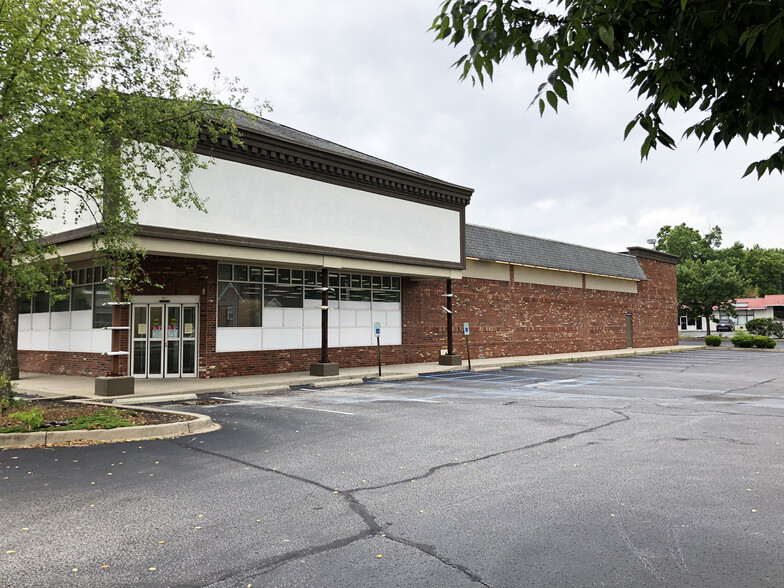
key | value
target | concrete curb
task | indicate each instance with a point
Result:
(260, 390)
(198, 424)
(134, 400)
(332, 384)
(393, 378)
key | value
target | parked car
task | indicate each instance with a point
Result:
(725, 324)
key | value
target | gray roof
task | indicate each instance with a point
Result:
(273, 129)
(496, 245)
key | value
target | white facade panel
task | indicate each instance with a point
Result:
(380, 316)
(312, 317)
(82, 319)
(394, 318)
(282, 339)
(348, 318)
(39, 340)
(25, 322)
(356, 337)
(59, 340)
(101, 341)
(364, 318)
(80, 341)
(61, 321)
(292, 317)
(23, 340)
(237, 339)
(292, 209)
(272, 317)
(311, 338)
(41, 321)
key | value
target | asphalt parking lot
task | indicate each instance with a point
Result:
(646, 471)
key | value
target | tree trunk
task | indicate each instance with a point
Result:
(8, 328)
(707, 324)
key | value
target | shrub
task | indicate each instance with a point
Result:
(6, 392)
(763, 342)
(713, 340)
(33, 417)
(765, 326)
(742, 339)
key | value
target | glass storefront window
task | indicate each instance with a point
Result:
(102, 311)
(41, 302)
(283, 296)
(81, 298)
(243, 291)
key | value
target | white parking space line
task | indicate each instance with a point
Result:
(279, 405)
(611, 369)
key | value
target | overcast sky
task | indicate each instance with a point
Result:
(368, 75)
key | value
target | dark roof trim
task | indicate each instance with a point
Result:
(270, 145)
(504, 246)
(653, 255)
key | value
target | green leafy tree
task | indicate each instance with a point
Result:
(722, 58)
(735, 255)
(90, 93)
(705, 287)
(687, 243)
(764, 268)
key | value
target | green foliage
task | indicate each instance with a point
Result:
(687, 243)
(763, 341)
(33, 417)
(109, 418)
(713, 340)
(765, 269)
(96, 118)
(707, 286)
(762, 270)
(742, 339)
(765, 326)
(7, 388)
(718, 57)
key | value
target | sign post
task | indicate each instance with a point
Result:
(466, 332)
(377, 331)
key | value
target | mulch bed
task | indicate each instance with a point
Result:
(61, 413)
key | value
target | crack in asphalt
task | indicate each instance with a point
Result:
(450, 464)
(373, 527)
(270, 564)
(432, 552)
(753, 385)
(727, 439)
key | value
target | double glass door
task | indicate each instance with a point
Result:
(164, 340)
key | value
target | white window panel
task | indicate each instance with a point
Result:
(282, 339)
(238, 339)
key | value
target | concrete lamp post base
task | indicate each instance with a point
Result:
(447, 359)
(114, 385)
(324, 369)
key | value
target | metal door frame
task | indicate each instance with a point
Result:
(164, 303)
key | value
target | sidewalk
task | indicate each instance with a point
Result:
(57, 386)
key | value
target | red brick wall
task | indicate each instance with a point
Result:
(506, 319)
(64, 363)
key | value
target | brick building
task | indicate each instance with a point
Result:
(242, 285)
